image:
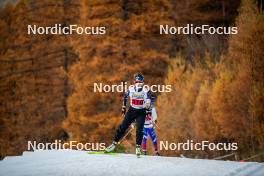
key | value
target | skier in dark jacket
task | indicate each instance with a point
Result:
(140, 106)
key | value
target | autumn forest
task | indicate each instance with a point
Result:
(46, 81)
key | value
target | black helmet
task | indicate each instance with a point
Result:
(139, 78)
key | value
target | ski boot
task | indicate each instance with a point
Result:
(138, 150)
(111, 148)
(144, 152)
(157, 153)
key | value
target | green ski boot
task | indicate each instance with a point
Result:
(138, 150)
(111, 148)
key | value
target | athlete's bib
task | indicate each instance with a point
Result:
(138, 99)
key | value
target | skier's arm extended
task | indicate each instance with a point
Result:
(154, 115)
(125, 102)
(150, 102)
(150, 99)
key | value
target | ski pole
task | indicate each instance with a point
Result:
(157, 126)
(125, 135)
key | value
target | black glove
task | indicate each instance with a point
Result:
(123, 110)
(148, 112)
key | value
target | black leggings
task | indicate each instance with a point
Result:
(132, 115)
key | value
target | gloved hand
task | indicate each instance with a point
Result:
(148, 112)
(155, 121)
(123, 110)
